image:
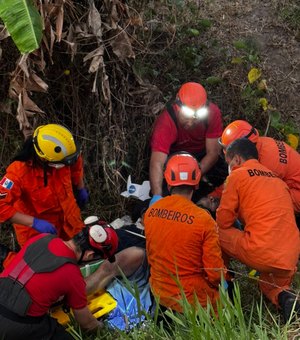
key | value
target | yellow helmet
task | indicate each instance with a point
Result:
(54, 143)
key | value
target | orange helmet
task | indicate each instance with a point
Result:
(192, 95)
(182, 169)
(238, 129)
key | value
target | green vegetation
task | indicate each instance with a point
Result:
(291, 15)
(173, 42)
(232, 322)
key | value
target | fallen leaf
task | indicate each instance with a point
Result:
(23, 64)
(253, 75)
(94, 20)
(213, 80)
(236, 60)
(293, 141)
(35, 83)
(262, 85)
(59, 22)
(121, 44)
(263, 103)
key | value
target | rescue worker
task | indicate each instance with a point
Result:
(190, 124)
(270, 240)
(37, 191)
(45, 270)
(276, 155)
(182, 243)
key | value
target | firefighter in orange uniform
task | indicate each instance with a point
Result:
(270, 240)
(37, 191)
(181, 240)
(276, 155)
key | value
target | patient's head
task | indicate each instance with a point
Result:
(210, 203)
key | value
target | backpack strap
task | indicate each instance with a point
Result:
(37, 259)
(171, 112)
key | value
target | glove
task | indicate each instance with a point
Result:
(224, 284)
(82, 197)
(43, 226)
(154, 199)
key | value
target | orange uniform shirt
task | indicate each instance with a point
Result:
(182, 244)
(22, 189)
(259, 199)
(284, 161)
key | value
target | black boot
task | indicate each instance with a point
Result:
(3, 253)
(288, 302)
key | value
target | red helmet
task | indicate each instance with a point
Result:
(238, 129)
(192, 95)
(103, 239)
(182, 169)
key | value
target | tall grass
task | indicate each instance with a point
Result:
(230, 321)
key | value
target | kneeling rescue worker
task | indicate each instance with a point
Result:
(45, 270)
(181, 241)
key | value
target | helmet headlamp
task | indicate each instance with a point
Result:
(200, 113)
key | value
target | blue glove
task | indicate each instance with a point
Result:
(43, 226)
(82, 197)
(224, 284)
(154, 199)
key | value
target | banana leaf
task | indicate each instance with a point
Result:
(23, 22)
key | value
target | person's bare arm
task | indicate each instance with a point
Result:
(213, 150)
(86, 319)
(156, 175)
(127, 262)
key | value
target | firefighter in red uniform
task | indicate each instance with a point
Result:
(37, 191)
(193, 125)
(44, 271)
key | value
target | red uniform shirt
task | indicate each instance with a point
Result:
(284, 161)
(182, 241)
(167, 138)
(46, 288)
(22, 189)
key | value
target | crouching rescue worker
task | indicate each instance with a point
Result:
(270, 240)
(182, 243)
(190, 123)
(276, 155)
(42, 272)
(37, 191)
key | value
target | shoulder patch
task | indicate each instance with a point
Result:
(6, 183)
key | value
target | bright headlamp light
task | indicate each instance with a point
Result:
(187, 111)
(200, 113)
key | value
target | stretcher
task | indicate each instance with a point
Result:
(99, 303)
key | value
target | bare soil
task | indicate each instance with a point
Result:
(277, 39)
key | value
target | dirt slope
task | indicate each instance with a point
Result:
(274, 25)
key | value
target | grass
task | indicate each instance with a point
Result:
(290, 14)
(230, 322)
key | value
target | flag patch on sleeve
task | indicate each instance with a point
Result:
(6, 183)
